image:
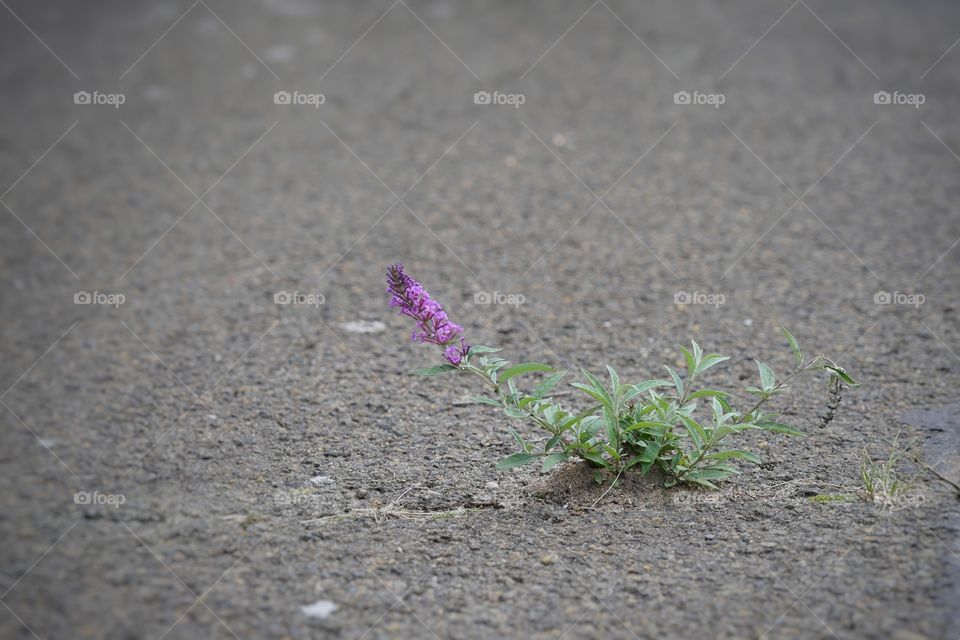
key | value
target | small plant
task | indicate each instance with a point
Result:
(884, 481)
(673, 424)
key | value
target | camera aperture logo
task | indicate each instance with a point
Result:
(96, 97)
(897, 98)
(497, 297)
(95, 498)
(299, 98)
(99, 298)
(498, 98)
(699, 297)
(896, 297)
(299, 298)
(699, 98)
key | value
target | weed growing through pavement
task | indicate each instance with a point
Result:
(673, 424)
(884, 480)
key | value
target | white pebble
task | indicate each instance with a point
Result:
(319, 609)
(364, 326)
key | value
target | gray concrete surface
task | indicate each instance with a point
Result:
(207, 409)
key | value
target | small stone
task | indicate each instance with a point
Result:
(364, 326)
(708, 536)
(319, 609)
(548, 559)
(493, 485)
(361, 493)
(321, 480)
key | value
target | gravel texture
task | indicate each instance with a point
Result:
(269, 470)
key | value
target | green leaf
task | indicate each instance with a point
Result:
(710, 361)
(696, 432)
(551, 443)
(481, 349)
(591, 425)
(516, 460)
(524, 401)
(553, 460)
(691, 361)
(794, 346)
(677, 382)
(610, 422)
(842, 374)
(651, 453)
(697, 480)
(767, 377)
(734, 453)
(574, 421)
(597, 386)
(644, 386)
(526, 367)
(547, 384)
(516, 436)
(713, 473)
(778, 427)
(485, 400)
(439, 369)
(709, 393)
(649, 426)
(614, 380)
(595, 458)
(593, 393)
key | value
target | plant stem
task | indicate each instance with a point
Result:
(609, 489)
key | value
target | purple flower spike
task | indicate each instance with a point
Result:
(433, 325)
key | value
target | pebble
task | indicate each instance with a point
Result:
(364, 326)
(321, 480)
(548, 559)
(319, 609)
(493, 485)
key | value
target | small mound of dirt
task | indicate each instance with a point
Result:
(575, 485)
